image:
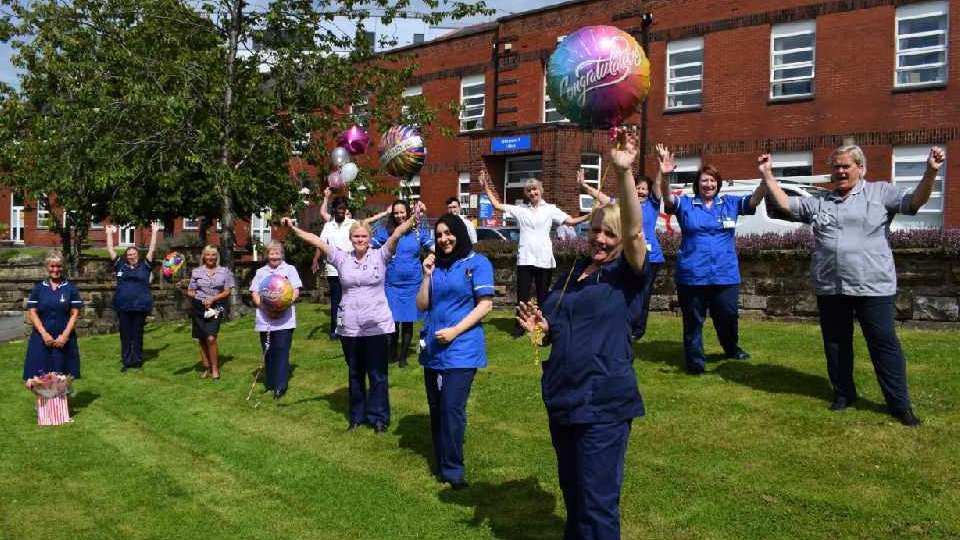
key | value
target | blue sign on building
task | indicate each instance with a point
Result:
(486, 207)
(510, 144)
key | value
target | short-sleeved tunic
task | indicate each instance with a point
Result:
(53, 308)
(651, 211)
(288, 319)
(535, 222)
(589, 376)
(454, 292)
(133, 286)
(364, 310)
(708, 247)
(404, 273)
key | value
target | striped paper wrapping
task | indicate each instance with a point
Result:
(52, 411)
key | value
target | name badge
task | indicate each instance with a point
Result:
(649, 247)
(729, 223)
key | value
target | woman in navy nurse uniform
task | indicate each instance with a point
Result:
(132, 301)
(456, 292)
(708, 271)
(589, 386)
(53, 308)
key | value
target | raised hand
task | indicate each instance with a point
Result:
(429, 264)
(624, 152)
(530, 317)
(936, 158)
(667, 162)
(765, 164)
(581, 178)
(484, 179)
(286, 222)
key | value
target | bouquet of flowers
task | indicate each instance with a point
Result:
(51, 390)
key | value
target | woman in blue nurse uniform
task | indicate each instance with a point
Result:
(456, 293)
(708, 271)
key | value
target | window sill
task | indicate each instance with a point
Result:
(790, 99)
(683, 110)
(918, 88)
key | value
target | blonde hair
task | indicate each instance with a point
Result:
(360, 225)
(275, 244)
(610, 216)
(212, 249)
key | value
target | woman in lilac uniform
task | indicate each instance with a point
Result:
(367, 324)
(456, 293)
(209, 288)
(276, 327)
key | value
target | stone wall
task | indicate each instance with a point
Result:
(776, 285)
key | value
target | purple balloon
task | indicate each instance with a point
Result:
(355, 140)
(334, 180)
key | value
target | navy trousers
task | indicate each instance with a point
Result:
(876, 317)
(131, 337)
(336, 295)
(590, 466)
(721, 301)
(447, 393)
(650, 271)
(366, 358)
(277, 357)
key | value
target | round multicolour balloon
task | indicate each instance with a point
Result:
(402, 151)
(598, 76)
(276, 293)
(171, 265)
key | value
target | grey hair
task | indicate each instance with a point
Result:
(53, 256)
(855, 153)
(211, 249)
(532, 182)
(277, 245)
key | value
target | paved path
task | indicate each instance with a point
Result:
(11, 327)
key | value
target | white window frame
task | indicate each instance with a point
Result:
(687, 165)
(409, 92)
(410, 188)
(463, 189)
(778, 66)
(677, 47)
(592, 166)
(260, 229)
(359, 111)
(471, 115)
(549, 108)
(517, 179)
(930, 213)
(913, 12)
(786, 160)
(43, 212)
(126, 235)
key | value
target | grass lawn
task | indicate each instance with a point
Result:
(747, 451)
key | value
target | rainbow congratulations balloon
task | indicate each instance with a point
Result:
(598, 76)
(276, 293)
(171, 265)
(402, 151)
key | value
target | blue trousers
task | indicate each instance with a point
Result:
(336, 295)
(131, 337)
(721, 301)
(650, 271)
(277, 357)
(366, 358)
(590, 466)
(447, 393)
(876, 317)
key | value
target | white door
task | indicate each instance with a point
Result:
(128, 235)
(16, 220)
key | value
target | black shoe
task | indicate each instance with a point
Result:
(741, 355)
(906, 417)
(402, 363)
(124, 369)
(333, 336)
(379, 427)
(459, 484)
(277, 394)
(518, 332)
(841, 403)
(353, 426)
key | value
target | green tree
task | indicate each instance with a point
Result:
(156, 109)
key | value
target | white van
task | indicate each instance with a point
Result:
(761, 222)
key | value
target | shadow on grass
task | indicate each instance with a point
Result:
(198, 367)
(324, 330)
(514, 510)
(80, 401)
(153, 354)
(503, 325)
(338, 401)
(414, 432)
(669, 353)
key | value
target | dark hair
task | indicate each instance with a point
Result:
(459, 230)
(453, 200)
(391, 221)
(337, 201)
(712, 171)
(644, 179)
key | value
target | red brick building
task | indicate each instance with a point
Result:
(730, 79)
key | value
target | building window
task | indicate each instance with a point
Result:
(410, 188)
(260, 226)
(550, 114)
(463, 190)
(517, 171)
(687, 171)
(191, 224)
(360, 112)
(43, 212)
(411, 95)
(685, 74)
(909, 164)
(472, 96)
(590, 164)
(921, 44)
(792, 57)
(793, 165)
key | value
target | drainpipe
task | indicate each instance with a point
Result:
(646, 20)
